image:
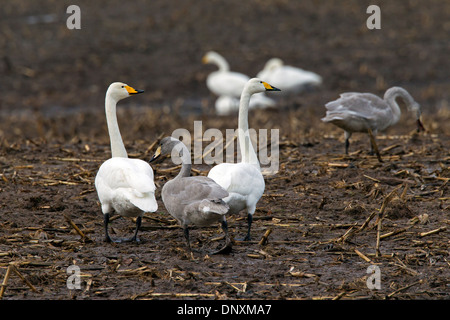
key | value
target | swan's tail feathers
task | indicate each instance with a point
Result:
(147, 203)
(338, 104)
(334, 111)
(217, 206)
(331, 118)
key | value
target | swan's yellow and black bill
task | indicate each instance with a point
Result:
(269, 87)
(156, 155)
(132, 90)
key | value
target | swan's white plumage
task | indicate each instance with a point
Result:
(224, 82)
(124, 186)
(226, 105)
(243, 181)
(291, 80)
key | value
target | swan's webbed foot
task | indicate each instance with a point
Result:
(132, 239)
(225, 250)
(228, 243)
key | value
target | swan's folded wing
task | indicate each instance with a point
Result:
(242, 178)
(220, 174)
(297, 76)
(133, 177)
(216, 206)
(191, 189)
(139, 176)
(364, 105)
(227, 83)
(146, 203)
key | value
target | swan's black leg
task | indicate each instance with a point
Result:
(228, 245)
(250, 220)
(373, 144)
(186, 236)
(138, 225)
(106, 222)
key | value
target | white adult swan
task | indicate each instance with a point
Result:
(192, 200)
(243, 181)
(224, 82)
(291, 80)
(366, 112)
(228, 86)
(124, 186)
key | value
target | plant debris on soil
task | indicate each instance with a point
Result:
(325, 220)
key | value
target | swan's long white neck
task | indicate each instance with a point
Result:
(117, 146)
(247, 152)
(221, 63)
(390, 97)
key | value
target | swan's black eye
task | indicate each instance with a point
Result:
(123, 86)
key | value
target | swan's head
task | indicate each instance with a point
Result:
(170, 146)
(411, 104)
(417, 110)
(215, 58)
(120, 90)
(211, 57)
(256, 85)
(273, 64)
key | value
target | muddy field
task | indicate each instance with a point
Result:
(321, 210)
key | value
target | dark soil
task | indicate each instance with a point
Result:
(321, 207)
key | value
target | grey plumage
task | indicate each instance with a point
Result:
(192, 200)
(195, 200)
(366, 112)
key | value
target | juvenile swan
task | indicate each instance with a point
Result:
(243, 180)
(366, 112)
(124, 186)
(192, 200)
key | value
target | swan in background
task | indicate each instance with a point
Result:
(366, 112)
(228, 86)
(226, 105)
(291, 80)
(224, 82)
(243, 181)
(124, 186)
(192, 200)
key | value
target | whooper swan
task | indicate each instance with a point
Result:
(366, 112)
(224, 82)
(291, 80)
(124, 186)
(192, 200)
(243, 181)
